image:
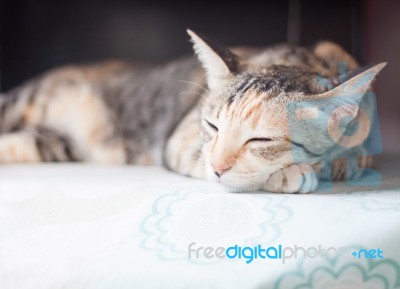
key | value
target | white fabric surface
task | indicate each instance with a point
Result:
(95, 227)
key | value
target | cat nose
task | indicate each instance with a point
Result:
(219, 169)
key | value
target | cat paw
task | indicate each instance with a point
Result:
(296, 178)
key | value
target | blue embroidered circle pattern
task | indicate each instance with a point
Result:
(211, 219)
(225, 218)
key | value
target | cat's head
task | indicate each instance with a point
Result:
(258, 119)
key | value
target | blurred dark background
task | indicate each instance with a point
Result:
(38, 35)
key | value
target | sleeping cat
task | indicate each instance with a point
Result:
(257, 119)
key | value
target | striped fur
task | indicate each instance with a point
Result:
(231, 121)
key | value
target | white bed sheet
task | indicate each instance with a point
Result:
(86, 226)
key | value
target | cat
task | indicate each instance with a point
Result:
(252, 119)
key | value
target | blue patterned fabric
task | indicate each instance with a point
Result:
(81, 226)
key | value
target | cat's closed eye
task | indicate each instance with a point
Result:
(211, 125)
(259, 139)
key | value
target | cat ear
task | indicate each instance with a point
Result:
(219, 62)
(344, 99)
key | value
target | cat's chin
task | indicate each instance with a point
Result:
(234, 183)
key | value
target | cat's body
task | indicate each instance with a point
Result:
(120, 113)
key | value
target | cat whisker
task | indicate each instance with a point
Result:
(187, 81)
